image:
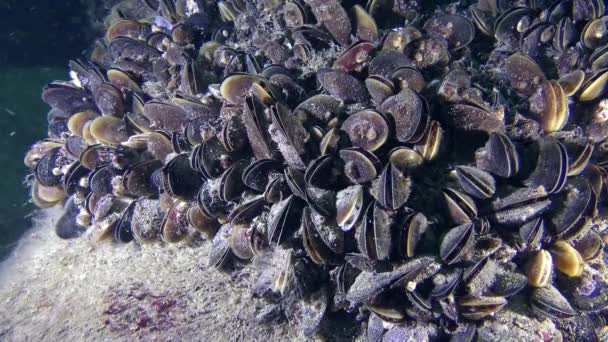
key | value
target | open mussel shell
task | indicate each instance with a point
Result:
(477, 308)
(296, 181)
(506, 25)
(580, 161)
(201, 222)
(572, 82)
(550, 103)
(367, 129)
(257, 128)
(405, 158)
(123, 230)
(350, 207)
(210, 158)
(44, 170)
(100, 180)
(540, 269)
(323, 172)
(221, 254)
(532, 233)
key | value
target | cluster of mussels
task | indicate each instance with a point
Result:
(395, 160)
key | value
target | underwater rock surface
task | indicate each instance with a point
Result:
(400, 169)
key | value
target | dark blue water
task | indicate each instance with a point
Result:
(37, 38)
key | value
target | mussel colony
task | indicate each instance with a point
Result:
(394, 161)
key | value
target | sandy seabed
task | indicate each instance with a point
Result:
(77, 290)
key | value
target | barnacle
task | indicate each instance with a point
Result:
(408, 171)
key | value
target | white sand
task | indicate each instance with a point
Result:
(51, 289)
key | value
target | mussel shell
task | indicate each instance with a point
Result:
(393, 188)
(350, 207)
(246, 211)
(179, 179)
(524, 73)
(410, 113)
(360, 165)
(123, 231)
(594, 87)
(165, 116)
(341, 85)
(414, 226)
(44, 168)
(67, 98)
(256, 175)
(175, 227)
(551, 167)
(374, 233)
(322, 240)
(456, 242)
(458, 30)
(284, 218)
(501, 157)
(367, 129)
(549, 302)
(461, 207)
(577, 208)
(476, 182)
(355, 58)
(231, 185)
(66, 226)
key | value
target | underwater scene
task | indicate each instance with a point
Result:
(304, 170)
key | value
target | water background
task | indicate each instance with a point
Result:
(37, 39)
